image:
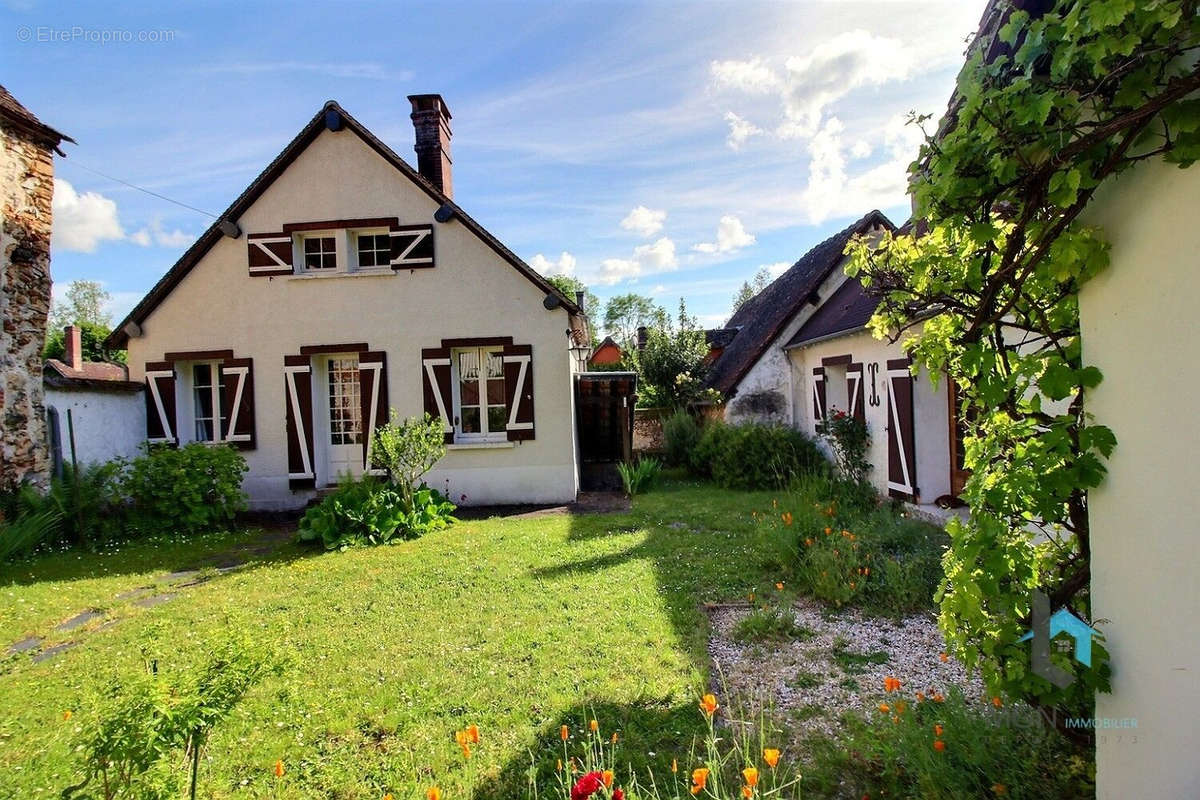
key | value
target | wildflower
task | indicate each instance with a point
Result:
(866, 570)
(786, 517)
(388, 796)
(559, 767)
(473, 733)
(896, 719)
(779, 586)
(747, 792)
(771, 756)
(618, 795)
(937, 730)
(939, 698)
(890, 684)
(920, 697)
(614, 737)
(607, 777)
(852, 584)
(828, 531)
(564, 733)
(939, 745)
(884, 708)
(433, 793)
(674, 765)
(587, 785)
(593, 726)
(279, 769)
(67, 715)
(944, 658)
(708, 704)
(901, 707)
(846, 534)
(464, 741)
(808, 542)
(997, 702)
(699, 780)
(751, 776)
(999, 788)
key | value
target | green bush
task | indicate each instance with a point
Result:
(184, 490)
(27, 521)
(640, 477)
(984, 752)
(681, 434)
(93, 503)
(755, 456)
(372, 511)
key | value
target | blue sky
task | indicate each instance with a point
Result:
(670, 149)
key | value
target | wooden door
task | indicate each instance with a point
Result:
(902, 459)
(344, 414)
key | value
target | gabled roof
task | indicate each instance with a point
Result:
(762, 318)
(118, 339)
(17, 115)
(846, 310)
(717, 338)
(104, 375)
(608, 342)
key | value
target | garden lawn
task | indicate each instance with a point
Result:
(518, 625)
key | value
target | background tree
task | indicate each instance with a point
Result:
(592, 307)
(761, 280)
(1059, 105)
(83, 306)
(672, 365)
(625, 313)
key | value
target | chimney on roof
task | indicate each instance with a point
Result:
(642, 335)
(579, 298)
(431, 121)
(73, 344)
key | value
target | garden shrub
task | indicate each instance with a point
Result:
(681, 434)
(639, 477)
(407, 449)
(984, 751)
(183, 490)
(372, 511)
(850, 441)
(93, 503)
(27, 521)
(756, 456)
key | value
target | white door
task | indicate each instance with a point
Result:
(345, 417)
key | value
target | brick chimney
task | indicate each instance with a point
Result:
(73, 344)
(431, 120)
(642, 336)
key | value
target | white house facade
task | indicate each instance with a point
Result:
(343, 283)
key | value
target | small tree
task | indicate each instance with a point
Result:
(849, 439)
(672, 365)
(407, 449)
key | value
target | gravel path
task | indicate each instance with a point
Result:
(839, 667)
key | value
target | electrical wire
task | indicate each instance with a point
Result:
(75, 163)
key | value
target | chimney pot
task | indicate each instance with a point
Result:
(73, 344)
(579, 297)
(641, 337)
(431, 123)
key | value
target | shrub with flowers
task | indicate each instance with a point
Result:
(849, 439)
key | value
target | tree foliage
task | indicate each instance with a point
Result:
(83, 306)
(625, 313)
(569, 285)
(672, 365)
(1052, 109)
(407, 449)
(750, 288)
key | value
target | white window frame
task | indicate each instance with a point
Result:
(485, 435)
(186, 400)
(339, 252)
(387, 253)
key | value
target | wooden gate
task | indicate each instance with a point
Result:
(902, 451)
(604, 403)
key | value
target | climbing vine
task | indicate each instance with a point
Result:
(1053, 103)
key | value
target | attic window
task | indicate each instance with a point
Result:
(320, 253)
(374, 250)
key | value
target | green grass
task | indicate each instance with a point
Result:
(517, 625)
(853, 662)
(769, 623)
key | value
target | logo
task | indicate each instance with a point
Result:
(1046, 626)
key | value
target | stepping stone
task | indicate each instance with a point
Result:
(80, 619)
(24, 646)
(153, 600)
(51, 652)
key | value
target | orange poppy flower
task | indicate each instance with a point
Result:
(464, 742)
(747, 792)
(937, 730)
(607, 777)
(708, 704)
(563, 733)
(828, 531)
(699, 779)
(999, 788)
(771, 756)
(890, 684)
(751, 776)
(997, 702)
(279, 769)
(808, 542)
(786, 517)
(884, 708)
(674, 765)
(388, 796)
(779, 586)
(433, 793)
(473, 733)
(944, 658)
(614, 737)
(901, 707)
(593, 726)
(939, 745)
(559, 767)
(920, 697)
(939, 698)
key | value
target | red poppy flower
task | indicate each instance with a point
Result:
(587, 785)
(618, 795)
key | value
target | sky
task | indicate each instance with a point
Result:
(668, 149)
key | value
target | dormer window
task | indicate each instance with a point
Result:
(320, 252)
(374, 249)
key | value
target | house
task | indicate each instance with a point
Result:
(343, 283)
(607, 353)
(92, 407)
(27, 148)
(802, 351)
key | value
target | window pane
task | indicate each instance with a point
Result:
(204, 430)
(320, 252)
(470, 419)
(345, 413)
(497, 419)
(495, 393)
(495, 365)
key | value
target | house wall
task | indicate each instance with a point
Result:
(470, 293)
(1139, 323)
(107, 425)
(931, 430)
(26, 188)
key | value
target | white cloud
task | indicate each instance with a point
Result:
(861, 149)
(155, 234)
(740, 129)
(777, 269)
(644, 221)
(82, 221)
(647, 259)
(752, 76)
(731, 236)
(565, 265)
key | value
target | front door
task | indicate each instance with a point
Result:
(902, 461)
(344, 414)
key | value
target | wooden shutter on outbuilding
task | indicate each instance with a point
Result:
(237, 402)
(436, 388)
(518, 391)
(902, 452)
(818, 393)
(160, 403)
(297, 375)
(855, 391)
(412, 246)
(269, 254)
(373, 397)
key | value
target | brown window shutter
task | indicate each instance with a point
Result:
(269, 254)
(818, 394)
(160, 403)
(902, 451)
(436, 387)
(372, 376)
(297, 374)
(412, 246)
(237, 399)
(518, 391)
(856, 392)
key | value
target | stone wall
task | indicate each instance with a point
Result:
(26, 186)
